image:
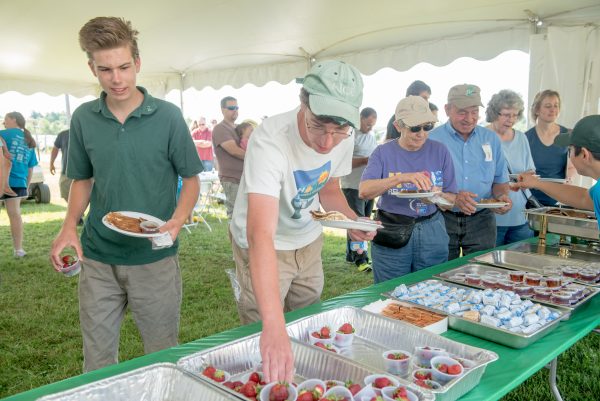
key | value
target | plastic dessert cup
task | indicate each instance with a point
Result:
(149, 227)
(388, 392)
(71, 270)
(473, 279)
(371, 380)
(489, 282)
(428, 384)
(339, 392)
(266, 390)
(442, 377)
(543, 294)
(553, 281)
(561, 298)
(569, 272)
(523, 289)
(516, 276)
(423, 355)
(506, 284)
(533, 279)
(421, 374)
(398, 367)
(313, 340)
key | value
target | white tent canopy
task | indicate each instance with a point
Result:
(186, 43)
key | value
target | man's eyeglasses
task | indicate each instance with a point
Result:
(319, 130)
(232, 108)
(426, 127)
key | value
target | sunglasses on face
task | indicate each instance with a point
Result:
(426, 127)
(232, 108)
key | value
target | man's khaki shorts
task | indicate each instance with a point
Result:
(300, 279)
(65, 186)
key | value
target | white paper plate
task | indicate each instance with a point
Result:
(351, 225)
(496, 205)
(413, 195)
(557, 180)
(135, 215)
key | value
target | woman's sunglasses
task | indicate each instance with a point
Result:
(426, 127)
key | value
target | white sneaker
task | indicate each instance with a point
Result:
(19, 253)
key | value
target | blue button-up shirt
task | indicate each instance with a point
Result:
(475, 172)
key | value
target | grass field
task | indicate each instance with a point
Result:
(40, 340)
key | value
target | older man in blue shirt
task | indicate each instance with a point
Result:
(481, 173)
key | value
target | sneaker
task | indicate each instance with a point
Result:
(19, 253)
(365, 267)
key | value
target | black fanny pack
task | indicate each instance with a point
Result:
(397, 229)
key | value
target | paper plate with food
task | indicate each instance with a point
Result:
(133, 224)
(336, 219)
(490, 204)
(416, 193)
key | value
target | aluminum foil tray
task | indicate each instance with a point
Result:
(529, 262)
(495, 334)
(579, 227)
(375, 334)
(473, 268)
(158, 382)
(243, 356)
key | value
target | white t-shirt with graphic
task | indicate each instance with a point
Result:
(279, 164)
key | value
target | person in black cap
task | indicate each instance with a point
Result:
(584, 151)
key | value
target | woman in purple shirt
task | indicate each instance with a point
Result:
(414, 235)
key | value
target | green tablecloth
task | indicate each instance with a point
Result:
(513, 367)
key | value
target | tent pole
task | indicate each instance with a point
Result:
(181, 77)
(68, 108)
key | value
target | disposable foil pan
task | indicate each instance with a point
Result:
(374, 334)
(473, 268)
(243, 356)
(158, 382)
(579, 227)
(529, 262)
(495, 334)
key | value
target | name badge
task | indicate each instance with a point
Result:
(487, 150)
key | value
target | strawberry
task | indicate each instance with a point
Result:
(397, 356)
(279, 392)
(330, 384)
(68, 260)
(442, 367)
(318, 391)
(326, 347)
(305, 395)
(422, 375)
(353, 387)
(454, 369)
(346, 328)
(219, 376)
(255, 377)
(209, 371)
(229, 384)
(316, 334)
(249, 389)
(382, 382)
(377, 398)
(400, 394)
(325, 332)
(237, 386)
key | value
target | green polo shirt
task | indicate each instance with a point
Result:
(134, 166)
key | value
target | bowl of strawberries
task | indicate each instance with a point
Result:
(397, 362)
(321, 335)
(344, 335)
(379, 381)
(444, 369)
(400, 393)
(71, 266)
(311, 390)
(278, 391)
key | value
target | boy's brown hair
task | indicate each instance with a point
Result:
(102, 33)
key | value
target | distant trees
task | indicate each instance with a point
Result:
(47, 124)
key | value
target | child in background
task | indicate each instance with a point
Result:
(5, 166)
(244, 130)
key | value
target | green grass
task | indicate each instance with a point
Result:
(40, 341)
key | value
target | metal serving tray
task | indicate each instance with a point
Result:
(495, 334)
(473, 268)
(579, 227)
(374, 334)
(243, 356)
(162, 381)
(528, 262)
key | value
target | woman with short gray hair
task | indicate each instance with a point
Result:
(504, 109)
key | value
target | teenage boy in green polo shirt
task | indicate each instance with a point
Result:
(126, 150)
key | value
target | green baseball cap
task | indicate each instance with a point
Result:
(586, 134)
(335, 90)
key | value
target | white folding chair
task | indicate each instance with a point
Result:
(201, 204)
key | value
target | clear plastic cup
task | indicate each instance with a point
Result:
(398, 367)
(266, 390)
(70, 270)
(388, 392)
(313, 340)
(423, 355)
(442, 377)
(533, 279)
(516, 276)
(372, 380)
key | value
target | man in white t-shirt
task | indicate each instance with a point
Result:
(292, 167)
(364, 144)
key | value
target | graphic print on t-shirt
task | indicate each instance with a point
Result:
(309, 183)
